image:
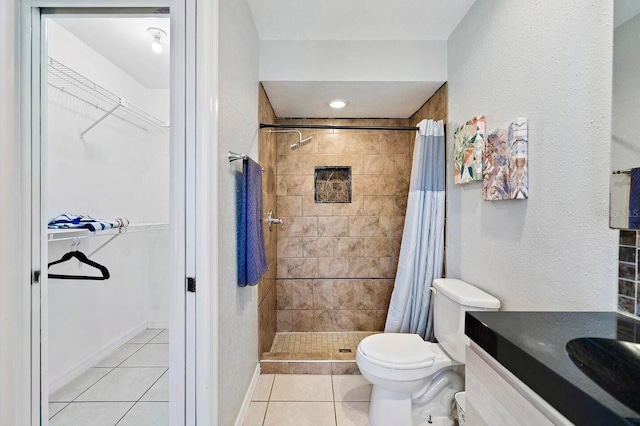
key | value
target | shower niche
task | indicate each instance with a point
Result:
(332, 184)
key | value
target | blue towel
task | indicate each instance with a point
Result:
(252, 260)
(67, 221)
(634, 200)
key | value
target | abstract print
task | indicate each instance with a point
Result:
(468, 144)
(505, 174)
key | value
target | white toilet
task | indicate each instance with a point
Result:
(416, 379)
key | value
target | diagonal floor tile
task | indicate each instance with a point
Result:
(146, 336)
(124, 352)
(123, 384)
(79, 385)
(161, 338)
(147, 414)
(91, 413)
(55, 407)
(149, 356)
(159, 392)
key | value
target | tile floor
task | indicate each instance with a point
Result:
(329, 342)
(314, 400)
(130, 387)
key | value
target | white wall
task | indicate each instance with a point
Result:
(14, 288)
(625, 146)
(549, 61)
(353, 60)
(238, 129)
(117, 170)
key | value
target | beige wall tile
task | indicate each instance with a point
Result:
(343, 320)
(295, 185)
(393, 185)
(366, 184)
(364, 226)
(299, 226)
(354, 208)
(311, 208)
(318, 246)
(333, 143)
(349, 247)
(364, 143)
(290, 164)
(322, 320)
(269, 367)
(303, 320)
(302, 268)
(365, 320)
(402, 165)
(333, 226)
(394, 143)
(289, 206)
(391, 226)
(378, 246)
(310, 368)
(323, 294)
(364, 267)
(379, 165)
(340, 368)
(284, 294)
(302, 292)
(333, 267)
(343, 294)
(380, 205)
(285, 321)
(289, 246)
(383, 290)
(365, 294)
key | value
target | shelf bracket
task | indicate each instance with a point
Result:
(122, 103)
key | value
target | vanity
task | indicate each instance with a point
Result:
(537, 368)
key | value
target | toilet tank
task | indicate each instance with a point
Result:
(452, 299)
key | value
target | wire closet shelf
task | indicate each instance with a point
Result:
(80, 87)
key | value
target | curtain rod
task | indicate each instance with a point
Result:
(329, 127)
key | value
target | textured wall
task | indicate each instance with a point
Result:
(551, 62)
(266, 287)
(336, 262)
(435, 108)
(237, 309)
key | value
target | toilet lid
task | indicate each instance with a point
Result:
(397, 350)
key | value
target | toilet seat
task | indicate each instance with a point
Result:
(398, 351)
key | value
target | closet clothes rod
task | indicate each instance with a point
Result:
(330, 127)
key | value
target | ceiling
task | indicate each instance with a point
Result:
(126, 43)
(357, 19)
(354, 21)
(308, 99)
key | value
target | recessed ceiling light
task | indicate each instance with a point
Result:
(338, 103)
(157, 35)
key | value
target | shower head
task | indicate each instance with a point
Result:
(300, 143)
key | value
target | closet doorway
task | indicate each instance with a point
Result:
(111, 233)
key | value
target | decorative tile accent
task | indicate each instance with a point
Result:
(332, 184)
(628, 277)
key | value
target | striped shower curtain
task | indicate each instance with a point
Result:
(422, 249)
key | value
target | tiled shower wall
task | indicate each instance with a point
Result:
(337, 262)
(266, 287)
(628, 266)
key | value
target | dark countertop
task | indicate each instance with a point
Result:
(532, 345)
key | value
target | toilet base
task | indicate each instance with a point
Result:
(389, 408)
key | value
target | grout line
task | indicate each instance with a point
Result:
(60, 411)
(143, 394)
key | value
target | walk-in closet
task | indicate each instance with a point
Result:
(105, 175)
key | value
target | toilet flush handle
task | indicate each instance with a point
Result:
(433, 290)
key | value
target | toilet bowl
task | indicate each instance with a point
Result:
(414, 380)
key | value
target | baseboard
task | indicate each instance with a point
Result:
(247, 398)
(158, 324)
(63, 379)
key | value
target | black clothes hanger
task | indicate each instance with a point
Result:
(83, 259)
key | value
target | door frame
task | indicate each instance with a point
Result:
(193, 206)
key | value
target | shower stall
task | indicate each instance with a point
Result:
(342, 196)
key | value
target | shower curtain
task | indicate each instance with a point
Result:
(422, 249)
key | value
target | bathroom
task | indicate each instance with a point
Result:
(550, 62)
